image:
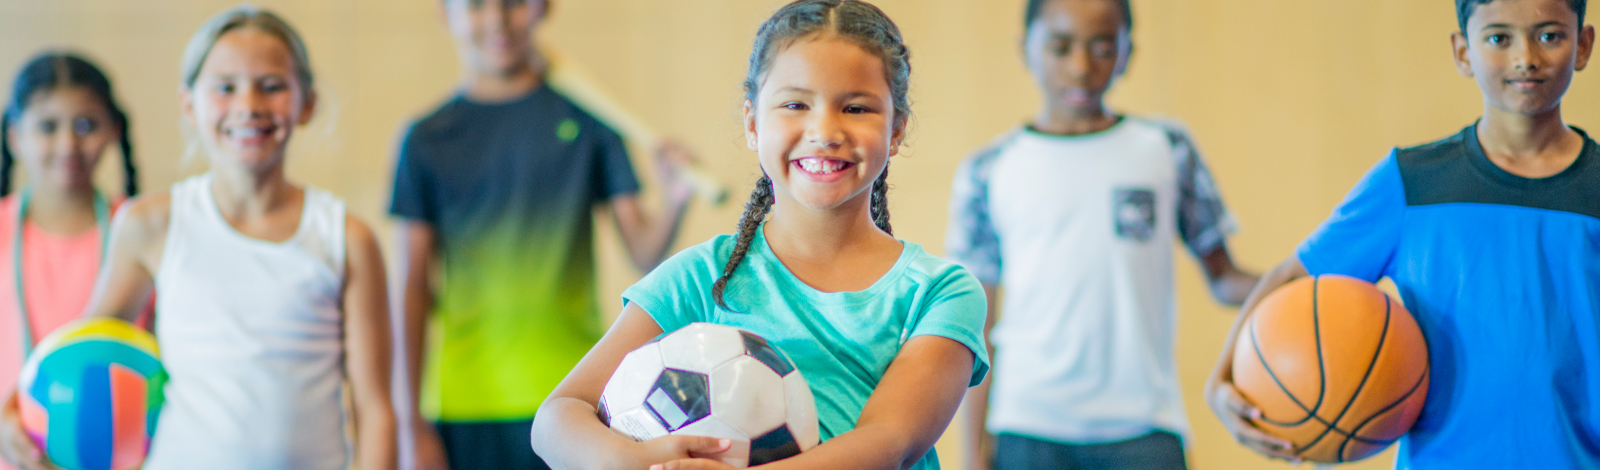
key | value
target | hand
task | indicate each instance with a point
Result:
(686, 452)
(673, 160)
(15, 444)
(1235, 413)
(427, 451)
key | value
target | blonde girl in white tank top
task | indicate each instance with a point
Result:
(271, 297)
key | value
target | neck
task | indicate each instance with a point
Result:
(509, 85)
(240, 192)
(1514, 136)
(1062, 120)
(59, 210)
(819, 235)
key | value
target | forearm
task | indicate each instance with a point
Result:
(376, 445)
(1285, 272)
(567, 434)
(1233, 287)
(975, 407)
(649, 241)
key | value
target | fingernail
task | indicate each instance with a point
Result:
(724, 443)
(1255, 413)
(655, 467)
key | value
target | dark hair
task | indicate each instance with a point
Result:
(856, 21)
(55, 70)
(1465, 8)
(1035, 5)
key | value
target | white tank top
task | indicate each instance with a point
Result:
(251, 336)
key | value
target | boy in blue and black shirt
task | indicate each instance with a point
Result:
(1493, 238)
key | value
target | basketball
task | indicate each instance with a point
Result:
(1337, 367)
(89, 394)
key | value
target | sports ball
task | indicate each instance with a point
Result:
(1337, 367)
(90, 392)
(715, 381)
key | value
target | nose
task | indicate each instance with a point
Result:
(823, 130)
(1527, 57)
(249, 101)
(1077, 61)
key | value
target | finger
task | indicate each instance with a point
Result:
(688, 464)
(705, 445)
(1237, 404)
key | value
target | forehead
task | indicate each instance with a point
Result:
(1081, 17)
(65, 100)
(1521, 13)
(827, 63)
(247, 50)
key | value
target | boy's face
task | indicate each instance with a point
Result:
(1523, 52)
(494, 37)
(1074, 49)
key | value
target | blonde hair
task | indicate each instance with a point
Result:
(246, 16)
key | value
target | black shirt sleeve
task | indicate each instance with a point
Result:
(413, 183)
(613, 171)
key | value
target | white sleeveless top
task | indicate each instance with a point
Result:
(251, 336)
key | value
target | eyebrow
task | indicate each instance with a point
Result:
(1537, 26)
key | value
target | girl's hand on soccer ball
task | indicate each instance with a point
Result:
(686, 452)
(692, 464)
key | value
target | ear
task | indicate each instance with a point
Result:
(541, 10)
(897, 137)
(1585, 46)
(750, 137)
(1127, 56)
(308, 109)
(186, 104)
(1458, 52)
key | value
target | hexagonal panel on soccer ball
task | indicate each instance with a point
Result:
(700, 347)
(634, 377)
(748, 395)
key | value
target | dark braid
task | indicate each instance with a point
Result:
(6, 159)
(52, 70)
(755, 212)
(880, 202)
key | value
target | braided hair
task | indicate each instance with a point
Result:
(53, 70)
(853, 20)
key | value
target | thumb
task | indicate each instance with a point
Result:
(705, 445)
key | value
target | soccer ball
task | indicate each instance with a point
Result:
(714, 381)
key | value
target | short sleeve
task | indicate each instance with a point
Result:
(613, 171)
(1360, 238)
(1203, 221)
(413, 183)
(678, 292)
(971, 239)
(957, 310)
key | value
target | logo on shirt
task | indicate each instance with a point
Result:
(1135, 213)
(567, 130)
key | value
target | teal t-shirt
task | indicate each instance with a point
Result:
(841, 341)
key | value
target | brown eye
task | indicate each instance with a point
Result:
(48, 126)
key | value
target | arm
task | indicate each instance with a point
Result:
(903, 418)
(367, 348)
(567, 432)
(122, 289)
(648, 237)
(416, 296)
(1229, 284)
(980, 444)
(1230, 407)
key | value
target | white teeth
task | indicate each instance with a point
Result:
(245, 132)
(821, 166)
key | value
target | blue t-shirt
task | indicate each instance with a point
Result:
(841, 341)
(1503, 275)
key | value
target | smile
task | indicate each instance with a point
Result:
(822, 166)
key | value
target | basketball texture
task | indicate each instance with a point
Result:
(1336, 367)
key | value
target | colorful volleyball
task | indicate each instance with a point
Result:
(90, 392)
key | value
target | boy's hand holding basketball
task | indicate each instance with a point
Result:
(1235, 413)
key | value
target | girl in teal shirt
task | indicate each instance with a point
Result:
(888, 336)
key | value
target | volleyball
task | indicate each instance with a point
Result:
(90, 393)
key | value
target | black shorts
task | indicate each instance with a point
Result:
(493, 445)
(1158, 450)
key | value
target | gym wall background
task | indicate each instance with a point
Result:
(1290, 101)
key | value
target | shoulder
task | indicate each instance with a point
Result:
(977, 163)
(361, 243)
(703, 258)
(443, 120)
(143, 219)
(1434, 155)
(1168, 130)
(586, 120)
(939, 276)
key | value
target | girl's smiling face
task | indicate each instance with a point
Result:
(823, 123)
(246, 101)
(61, 135)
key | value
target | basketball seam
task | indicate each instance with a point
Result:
(1354, 434)
(1388, 312)
(1256, 345)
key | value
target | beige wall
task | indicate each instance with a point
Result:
(1291, 101)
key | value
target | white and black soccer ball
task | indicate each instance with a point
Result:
(714, 381)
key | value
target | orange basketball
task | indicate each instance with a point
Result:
(1336, 367)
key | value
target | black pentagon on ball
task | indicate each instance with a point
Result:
(757, 347)
(604, 412)
(773, 446)
(679, 398)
